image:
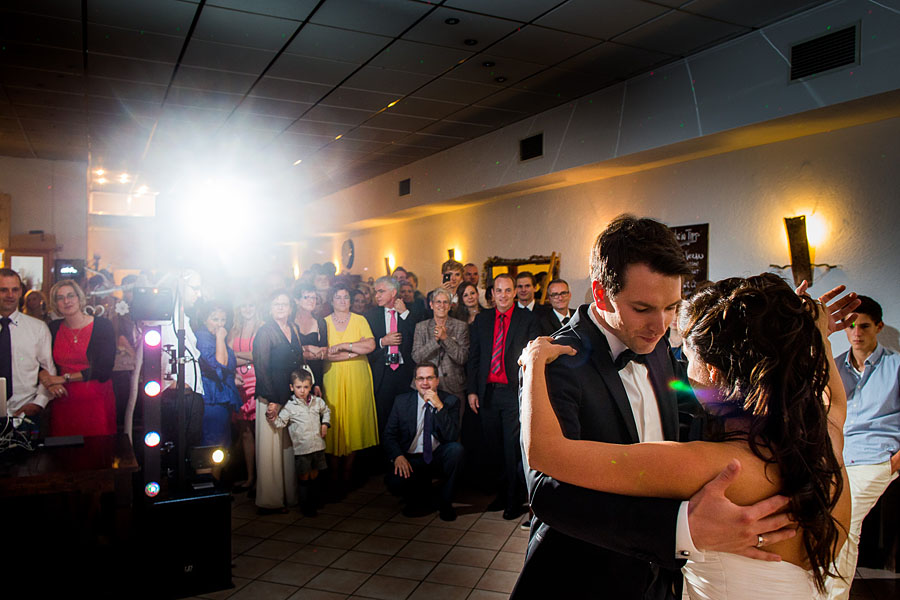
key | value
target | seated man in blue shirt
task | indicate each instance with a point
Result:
(870, 373)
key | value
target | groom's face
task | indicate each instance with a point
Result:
(640, 314)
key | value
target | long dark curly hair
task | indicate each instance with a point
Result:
(763, 339)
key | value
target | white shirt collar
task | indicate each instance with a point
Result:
(528, 306)
(616, 346)
(561, 316)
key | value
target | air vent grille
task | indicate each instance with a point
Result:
(404, 187)
(531, 147)
(825, 53)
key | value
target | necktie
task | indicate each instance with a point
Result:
(627, 356)
(6, 355)
(394, 349)
(565, 320)
(497, 352)
(426, 431)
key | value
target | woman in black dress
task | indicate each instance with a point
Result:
(277, 351)
(313, 334)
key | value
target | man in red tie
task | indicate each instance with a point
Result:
(392, 365)
(497, 337)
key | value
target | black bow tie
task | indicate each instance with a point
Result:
(627, 356)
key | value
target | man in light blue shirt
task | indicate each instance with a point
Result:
(871, 376)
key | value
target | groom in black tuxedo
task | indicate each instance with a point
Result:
(618, 389)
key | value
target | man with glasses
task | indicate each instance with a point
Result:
(393, 326)
(551, 321)
(420, 441)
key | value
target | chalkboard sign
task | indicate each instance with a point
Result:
(694, 239)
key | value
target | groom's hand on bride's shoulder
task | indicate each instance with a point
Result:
(718, 524)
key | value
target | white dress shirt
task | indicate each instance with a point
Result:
(645, 409)
(30, 342)
(192, 377)
(418, 444)
(529, 306)
(387, 325)
(561, 316)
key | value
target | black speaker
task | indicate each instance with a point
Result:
(152, 304)
(187, 543)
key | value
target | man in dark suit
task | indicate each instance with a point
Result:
(552, 320)
(420, 440)
(393, 326)
(525, 288)
(617, 389)
(496, 339)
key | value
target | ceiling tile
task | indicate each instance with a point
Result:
(53, 8)
(509, 69)
(452, 128)
(520, 10)
(492, 117)
(226, 57)
(375, 135)
(437, 142)
(332, 114)
(542, 46)
(419, 58)
(420, 107)
(679, 34)
(43, 80)
(520, 100)
(285, 9)
(360, 99)
(202, 99)
(559, 84)
(454, 90)
(133, 44)
(50, 113)
(612, 62)
(388, 120)
(379, 79)
(600, 18)
(243, 29)
(313, 70)
(286, 89)
(749, 14)
(170, 17)
(114, 88)
(276, 108)
(337, 44)
(41, 30)
(41, 57)
(366, 146)
(471, 32)
(407, 151)
(243, 119)
(301, 134)
(43, 98)
(130, 69)
(209, 79)
(382, 17)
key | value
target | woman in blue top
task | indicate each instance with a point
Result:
(217, 366)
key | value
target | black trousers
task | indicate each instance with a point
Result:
(500, 421)
(446, 461)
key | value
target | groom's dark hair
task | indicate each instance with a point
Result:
(629, 240)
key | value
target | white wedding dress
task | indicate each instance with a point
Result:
(732, 577)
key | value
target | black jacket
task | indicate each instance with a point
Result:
(401, 425)
(522, 329)
(101, 349)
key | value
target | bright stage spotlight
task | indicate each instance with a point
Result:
(151, 489)
(152, 439)
(152, 388)
(152, 338)
(218, 456)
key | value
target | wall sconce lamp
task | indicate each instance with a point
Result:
(798, 243)
(451, 254)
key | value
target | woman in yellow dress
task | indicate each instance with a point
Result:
(348, 381)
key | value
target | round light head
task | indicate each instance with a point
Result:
(152, 439)
(218, 456)
(152, 388)
(152, 338)
(151, 489)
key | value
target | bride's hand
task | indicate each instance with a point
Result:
(835, 316)
(542, 351)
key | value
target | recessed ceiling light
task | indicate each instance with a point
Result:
(393, 103)
(102, 180)
(470, 42)
(488, 64)
(99, 172)
(451, 21)
(500, 79)
(298, 161)
(338, 137)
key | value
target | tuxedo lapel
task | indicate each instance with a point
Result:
(603, 363)
(660, 376)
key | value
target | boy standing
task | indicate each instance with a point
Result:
(307, 418)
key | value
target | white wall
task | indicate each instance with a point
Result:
(850, 178)
(50, 195)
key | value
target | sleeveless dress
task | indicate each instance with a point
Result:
(732, 577)
(247, 412)
(351, 395)
(316, 338)
(89, 407)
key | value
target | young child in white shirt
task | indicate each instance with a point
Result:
(307, 418)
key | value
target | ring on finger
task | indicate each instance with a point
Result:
(760, 540)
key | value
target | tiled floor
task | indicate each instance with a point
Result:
(363, 548)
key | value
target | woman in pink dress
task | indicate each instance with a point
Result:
(84, 350)
(246, 322)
